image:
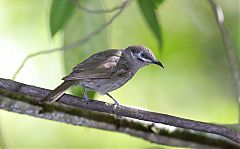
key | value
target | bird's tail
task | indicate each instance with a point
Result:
(58, 92)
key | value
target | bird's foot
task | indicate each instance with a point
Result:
(115, 106)
(85, 99)
(116, 103)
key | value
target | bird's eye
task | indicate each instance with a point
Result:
(143, 55)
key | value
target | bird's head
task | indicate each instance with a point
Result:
(142, 56)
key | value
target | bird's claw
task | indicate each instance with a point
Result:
(85, 99)
(116, 103)
(115, 106)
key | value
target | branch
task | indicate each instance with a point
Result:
(76, 43)
(99, 11)
(231, 54)
(24, 99)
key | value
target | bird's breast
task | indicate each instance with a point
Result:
(104, 86)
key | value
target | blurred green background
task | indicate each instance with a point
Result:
(195, 84)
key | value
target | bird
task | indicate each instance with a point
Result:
(105, 71)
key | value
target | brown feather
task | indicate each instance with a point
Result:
(58, 92)
(97, 66)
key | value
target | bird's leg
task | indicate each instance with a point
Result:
(115, 101)
(116, 104)
(85, 97)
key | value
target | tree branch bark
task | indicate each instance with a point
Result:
(24, 99)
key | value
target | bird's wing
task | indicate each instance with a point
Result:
(98, 66)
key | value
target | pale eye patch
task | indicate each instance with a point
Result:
(141, 57)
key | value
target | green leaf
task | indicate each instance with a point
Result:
(148, 9)
(60, 12)
(80, 25)
(156, 3)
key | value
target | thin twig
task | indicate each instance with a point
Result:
(76, 43)
(19, 92)
(231, 53)
(98, 11)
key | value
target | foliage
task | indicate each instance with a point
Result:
(60, 13)
(196, 82)
(148, 9)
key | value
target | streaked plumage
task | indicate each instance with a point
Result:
(106, 71)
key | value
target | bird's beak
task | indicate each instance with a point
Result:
(158, 63)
